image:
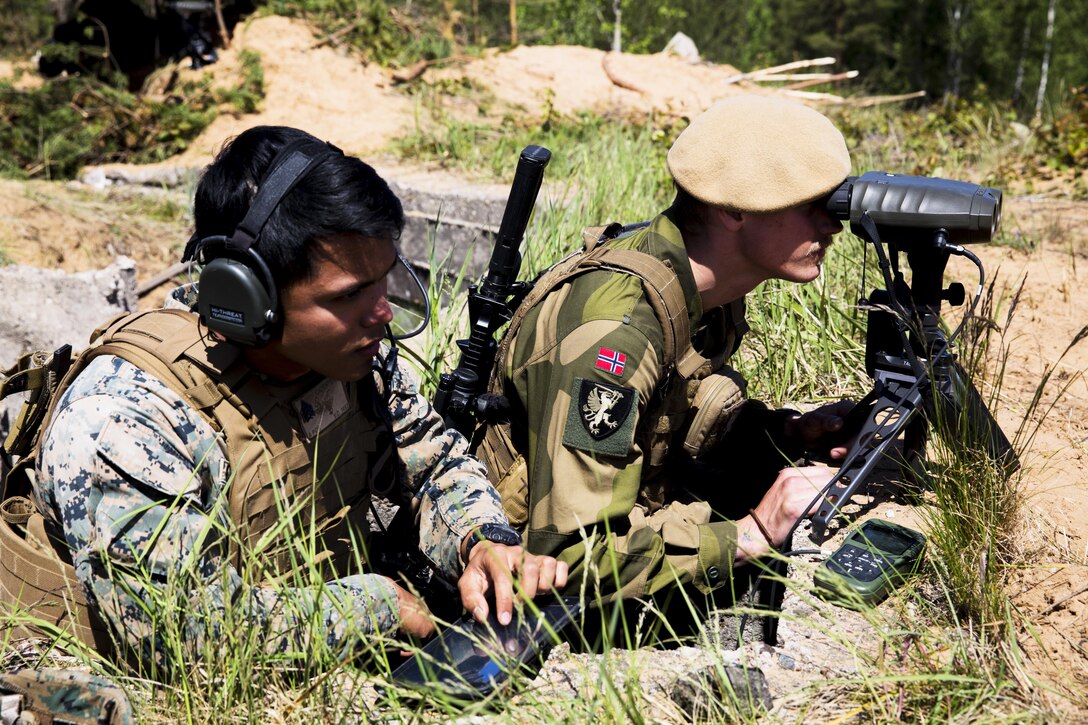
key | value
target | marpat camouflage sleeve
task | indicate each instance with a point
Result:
(131, 475)
(450, 486)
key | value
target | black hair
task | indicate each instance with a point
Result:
(340, 196)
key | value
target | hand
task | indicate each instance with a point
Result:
(785, 502)
(492, 566)
(809, 429)
(415, 618)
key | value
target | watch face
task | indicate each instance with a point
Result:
(500, 534)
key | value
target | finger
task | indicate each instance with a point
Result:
(504, 589)
(839, 452)
(473, 586)
(562, 571)
(547, 573)
(529, 576)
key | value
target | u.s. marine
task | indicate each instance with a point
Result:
(224, 452)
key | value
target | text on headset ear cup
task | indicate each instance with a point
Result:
(234, 301)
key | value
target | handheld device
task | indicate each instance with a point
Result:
(470, 659)
(875, 558)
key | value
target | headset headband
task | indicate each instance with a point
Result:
(292, 163)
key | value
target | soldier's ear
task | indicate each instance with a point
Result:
(731, 220)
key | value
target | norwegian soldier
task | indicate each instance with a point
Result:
(228, 447)
(616, 367)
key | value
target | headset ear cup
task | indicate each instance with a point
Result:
(234, 300)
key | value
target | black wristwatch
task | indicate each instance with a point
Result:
(495, 533)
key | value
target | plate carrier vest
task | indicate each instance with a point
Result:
(273, 467)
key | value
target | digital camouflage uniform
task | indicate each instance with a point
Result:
(586, 378)
(135, 481)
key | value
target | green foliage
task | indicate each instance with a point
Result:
(584, 144)
(69, 122)
(380, 31)
(74, 121)
(246, 97)
(23, 25)
(1064, 140)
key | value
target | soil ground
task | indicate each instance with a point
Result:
(315, 86)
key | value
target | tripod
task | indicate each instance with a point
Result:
(917, 380)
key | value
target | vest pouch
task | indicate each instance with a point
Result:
(508, 471)
(717, 401)
(346, 462)
(36, 581)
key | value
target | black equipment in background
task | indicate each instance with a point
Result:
(491, 304)
(917, 380)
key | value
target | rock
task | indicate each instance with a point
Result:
(724, 691)
(42, 309)
(682, 47)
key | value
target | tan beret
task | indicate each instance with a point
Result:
(759, 154)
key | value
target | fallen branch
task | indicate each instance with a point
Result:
(606, 66)
(757, 74)
(162, 278)
(877, 100)
(334, 36)
(827, 78)
(404, 75)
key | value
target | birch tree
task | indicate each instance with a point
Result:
(1045, 69)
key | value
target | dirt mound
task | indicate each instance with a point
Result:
(309, 85)
(572, 79)
(329, 93)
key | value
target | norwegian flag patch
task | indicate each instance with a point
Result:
(611, 361)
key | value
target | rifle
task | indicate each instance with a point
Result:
(918, 382)
(491, 304)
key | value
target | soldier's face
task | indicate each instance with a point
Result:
(334, 320)
(790, 244)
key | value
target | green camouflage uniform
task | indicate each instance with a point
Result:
(584, 373)
(133, 480)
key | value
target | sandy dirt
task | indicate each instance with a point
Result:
(330, 93)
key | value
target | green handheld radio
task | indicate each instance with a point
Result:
(873, 560)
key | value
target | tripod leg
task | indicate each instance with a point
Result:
(964, 416)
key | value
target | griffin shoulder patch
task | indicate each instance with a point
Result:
(599, 419)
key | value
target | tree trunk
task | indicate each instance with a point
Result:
(513, 22)
(617, 29)
(957, 17)
(1018, 85)
(1046, 59)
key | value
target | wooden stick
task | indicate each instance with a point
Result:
(162, 278)
(829, 78)
(877, 100)
(403, 75)
(778, 69)
(223, 35)
(798, 76)
(606, 66)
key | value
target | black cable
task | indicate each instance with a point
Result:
(426, 302)
(964, 252)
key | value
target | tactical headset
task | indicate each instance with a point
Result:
(236, 295)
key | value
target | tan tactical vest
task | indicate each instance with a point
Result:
(284, 487)
(695, 391)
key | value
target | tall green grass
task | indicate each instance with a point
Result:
(943, 650)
